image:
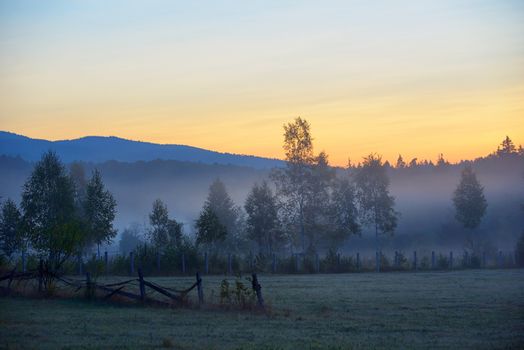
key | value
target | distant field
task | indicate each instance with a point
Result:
(463, 309)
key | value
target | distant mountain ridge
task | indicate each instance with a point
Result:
(101, 148)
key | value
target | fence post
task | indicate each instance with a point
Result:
(258, 291)
(23, 261)
(199, 289)
(451, 260)
(358, 261)
(88, 286)
(229, 264)
(317, 263)
(80, 263)
(206, 263)
(377, 261)
(415, 260)
(501, 259)
(183, 263)
(158, 261)
(132, 263)
(142, 286)
(40, 275)
(106, 261)
(11, 275)
(274, 264)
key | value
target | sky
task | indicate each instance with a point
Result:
(416, 78)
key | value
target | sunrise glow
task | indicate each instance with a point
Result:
(419, 79)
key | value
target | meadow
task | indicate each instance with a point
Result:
(468, 309)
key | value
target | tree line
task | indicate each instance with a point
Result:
(305, 207)
(309, 206)
(61, 214)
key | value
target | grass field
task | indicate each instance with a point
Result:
(462, 309)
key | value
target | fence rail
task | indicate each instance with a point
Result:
(175, 297)
(42, 275)
(230, 264)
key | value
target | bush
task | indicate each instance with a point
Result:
(384, 263)
(95, 267)
(237, 294)
(425, 263)
(442, 262)
(119, 265)
(402, 261)
(470, 260)
(331, 262)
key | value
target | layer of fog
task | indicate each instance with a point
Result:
(423, 198)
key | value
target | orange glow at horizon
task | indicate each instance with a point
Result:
(416, 80)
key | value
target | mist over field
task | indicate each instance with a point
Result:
(259, 175)
(422, 197)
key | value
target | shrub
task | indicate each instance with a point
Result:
(384, 262)
(425, 263)
(442, 262)
(119, 265)
(402, 261)
(331, 262)
(237, 295)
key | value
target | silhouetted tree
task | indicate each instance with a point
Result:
(49, 212)
(99, 211)
(520, 242)
(400, 162)
(469, 201)
(344, 213)
(209, 230)
(506, 147)
(10, 228)
(159, 221)
(375, 202)
(441, 161)
(229, 215)
(222, 205)
(262, 218)
(317, 207)
(77, 173)
(293, 181)
(413, 163)
(130, 238)
(174, 232)
(164, 231)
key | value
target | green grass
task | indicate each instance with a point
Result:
(462, 309)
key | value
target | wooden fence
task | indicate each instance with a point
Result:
(230, 264)
(174, 297)
(301, 263)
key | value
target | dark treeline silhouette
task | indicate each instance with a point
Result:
(307, 206)
(61, 214)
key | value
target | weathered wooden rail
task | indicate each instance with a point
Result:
(174, 296)
(177, 297)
